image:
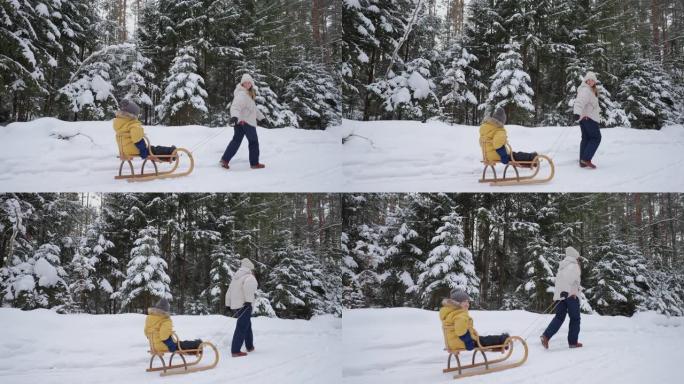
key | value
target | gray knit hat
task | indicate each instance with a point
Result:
(129, 106)
(163, 305)
(458, 295)
(500, 114)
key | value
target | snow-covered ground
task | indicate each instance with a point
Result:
(43, 347)
(404, 345)
(390, 156)
(33, 159)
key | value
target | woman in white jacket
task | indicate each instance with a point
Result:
(588, 112)
(565, 293)
(239, 299)
(244, 115)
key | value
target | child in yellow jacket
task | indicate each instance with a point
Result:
(461, 333)
(130, 132)
(493, 131)
(159, 329)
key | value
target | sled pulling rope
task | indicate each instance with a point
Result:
(184, 367)
(490, 365)
(534, 164)
(173, 158)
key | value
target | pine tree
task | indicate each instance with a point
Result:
(647, 94)
(461, 83)
(449, 265)
(618, 275)
(510, 84)
(408, 93)
(313, 95)
(146, 279)
(224, 263)
(183, 99)
(540, 272)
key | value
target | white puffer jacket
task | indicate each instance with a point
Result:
(568, 275)
(244, 108)
(241, 289)
(587, 104)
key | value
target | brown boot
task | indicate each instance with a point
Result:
(240, 354)
(578, 345)
(587, 164)
(544, 341)
(224, 164)
(258, 166)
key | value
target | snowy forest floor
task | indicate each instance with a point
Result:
(34, 159)
(41, 346)
(405, 345)
(409, 156)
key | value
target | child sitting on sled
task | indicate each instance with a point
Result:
(493, 131)
(461, 333)
(159, 328)
(130, 132)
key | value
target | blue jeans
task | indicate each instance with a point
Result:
(240, 132)
(243, 329)
(571, 307)
(591, 138)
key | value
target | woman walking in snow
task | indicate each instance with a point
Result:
(239, 299)
(566, 293)
(244, 115)
(588, 112)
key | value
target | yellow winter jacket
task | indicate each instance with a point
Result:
(456, 321)
(129, 130)
(158, 327)
(493, 131)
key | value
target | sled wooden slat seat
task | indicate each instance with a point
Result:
(490, 365)
(185, 367)
(535, 164)
(173, 159)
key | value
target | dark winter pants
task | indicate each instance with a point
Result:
(524, 156)
(591, 138)
(487, 341)
(162, 151)
(242, 130)
(571, 307)
(243, 329)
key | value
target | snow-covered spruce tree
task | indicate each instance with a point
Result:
(90, 90)
(262, 305)
(460, 83)
(449, 265)
(540, 272)
(510, 86)
(401, 258)
(16, 275)
(612, 113)
(647, 94)
(313, 94)
(666, 293)
(48, 275)
(352, 295)
(183, 97)
(618, 276)
(98, 268)
(277, 114)
(138, 83)
(296, 284)
(146, 279)
(224, 263)
(407, 94)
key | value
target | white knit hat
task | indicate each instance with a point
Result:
(590, 76)
(571, 252)
(247, 77)
(246, 263)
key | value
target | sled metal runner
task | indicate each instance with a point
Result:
(168, 368)
(535, 164)
(173, 159)
(489, 365)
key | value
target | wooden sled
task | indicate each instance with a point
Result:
(535, 165)
(173, 158)
(488, 364)
(185, 367)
